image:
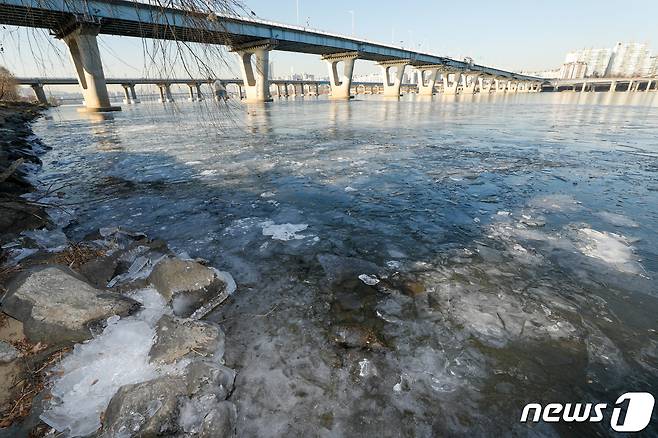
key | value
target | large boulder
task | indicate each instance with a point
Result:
(177, 337)
(193, 289)
(57, 307)
(146, 409)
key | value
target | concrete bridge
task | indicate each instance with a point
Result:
(606, 84)
(78, 23)
(282, 87)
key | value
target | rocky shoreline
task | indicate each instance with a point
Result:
(102, 337)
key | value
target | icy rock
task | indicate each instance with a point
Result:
(177, 337)
(99, 271)
(7, 352)
(56, 307)
(220, 422)
(89, 376)
(144, 409)
(204, 375)
(194, 289)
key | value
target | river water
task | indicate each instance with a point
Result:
(412, 268)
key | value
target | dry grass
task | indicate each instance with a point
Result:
(78, 254)
(33, 380)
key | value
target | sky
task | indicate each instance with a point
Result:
(509, 34)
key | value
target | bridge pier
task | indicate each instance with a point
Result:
(40, 94)
(191, 88)
(86, 58)
(470, 83)
(133, 94)
(340, 81)
(199, 95)
(392, 83)
(451, 88)
(426, 84)
(648, 86)
(127, 98)
(255, 74)
(165, 93)
(486, 85)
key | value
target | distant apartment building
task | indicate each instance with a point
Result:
(653, 66)
(629, 59)
(623, 60)
(573, 70)
(596, 60)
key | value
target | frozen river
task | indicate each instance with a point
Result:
(413, 268)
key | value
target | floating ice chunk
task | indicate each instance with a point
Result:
(50, 240)
(94, 371)
(610, 248)
(504, 213)
(617, 220)
(397, 387)
(267, 195)
(283, 232)
(350, 189)
(369, 280)
(365, 368)
(208, 172)
(555, 203)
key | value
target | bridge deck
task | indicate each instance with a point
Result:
(131, 18)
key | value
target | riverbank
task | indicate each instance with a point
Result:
(104, 335)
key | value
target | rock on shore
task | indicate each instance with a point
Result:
(56, 307)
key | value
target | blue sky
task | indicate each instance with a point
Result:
(509, 34)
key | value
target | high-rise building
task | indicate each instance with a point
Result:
(573, 70)
(653, 66)
(629, 59)
(271, 70)
(623, 60)
(597, 60)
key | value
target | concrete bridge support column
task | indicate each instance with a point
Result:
(86, 58)
(340, 81)
(127, 98)
(630, 87)
(470, 84)
(254, 64)
(648, 86)
(191, 88)
(285, 90)
(392, 81)
(199, 96)
(299, 90)
(40, 94)
(426, 83)
(486, 85)
(451, 87)
(165, 93)
(133, 94)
